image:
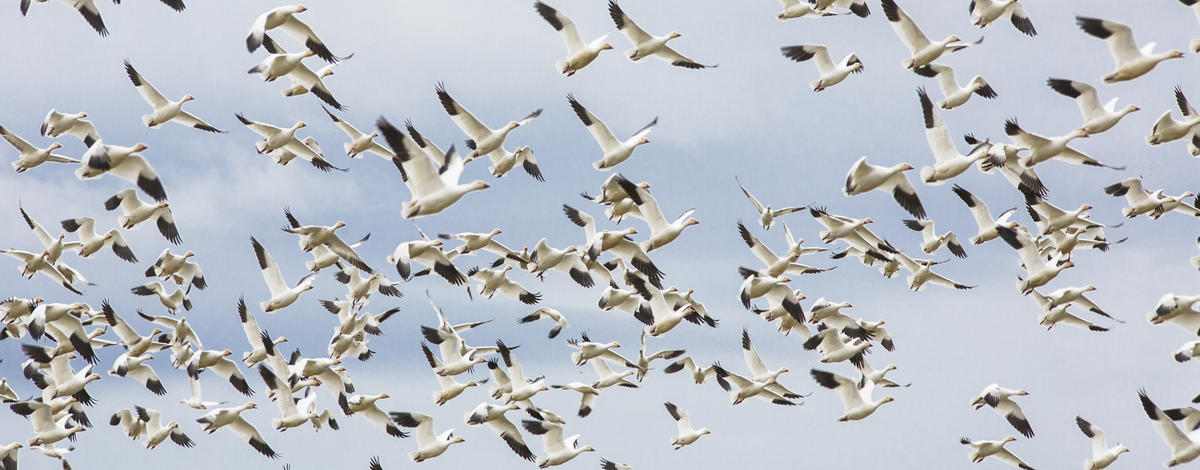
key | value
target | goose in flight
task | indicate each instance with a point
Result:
(921, 273)
(856, 396)
(616, 241)
(955, 95)
(1038, 272)
(164, 110)
(558, 450)
(135, 212)
(760, 373)
(90, 242)
(1178, 309)
(312, 236)
(1167, 129)
(662, 231)
(496, 280)
(482, 140)
(557, 317)
(931, 242)
(776, 265)
(1183, 447)
(522, 388)
(1097, 118)
(136, 367)
(686, 435)
(999, 399)
(29, 156)
(614, 151)
(365, 406)
(834, 346)
(922, 49)
(864, 177)
(359, 142)
(647, 45)
(428, 444)
(172, 302)
(830, 73)
(983, 449)
(427, 252)
(983, 216)
(433, 189)
(284, 17)
(304, 79)
(699, 374)
(448, 387)
(1131, 62)
(642, 364)
(124, 162)
(819, 8)
(33, 263)
(579, 55)
(493, 416)
(766, 215)
(1075, 296)
(1045, 148)
(277, 138)
(177, 268)
(56, 124)
(948, 163)
(87, 8)
(984, 12)
(282, 296)
(1102, 455)
(231, 418)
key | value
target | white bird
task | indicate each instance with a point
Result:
(304, 79)
(983, 216)
(1178, 309)
(30, 156)
(449, 389)
(1045, 148)
(557, 317)
(766, 215)
(983, 449)
(922, 49)
(90, 242)
(56, 124)
(948, 163)
(433, 189)
(606, 464)
(1184, 449)
(177, 268)
(579, 55)
(1167, 129)
(87, 8)
(662, 231)
(645, 44)
(699, 375)
(292, 412)
(1131, 62)
(231, 419)
(136, 367)
(428, 444)
(954, 95)
(365, 406)
(645, 358)
(281, 295)
(1097, 118)
(164, 110)
(1140, 201)
(493, 415)
(194, 400)
(778, 265)
(172, 301)
(984, 12)
(614, 151)
(1102, 455)
(686, 434)
(359, 142)
(830, 74)
(931, 242)
(864, 177)
(856, 397)
(124, 162)
(312, 236)
(522, 388)
(33, 263)
(284, 17)
(46, 429)
(482, 140)
(277, 138)
(558, 450)
(1038, 272)
(998, 398)
(492, 281)
(834, 346)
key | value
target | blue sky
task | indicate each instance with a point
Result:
(753, 117)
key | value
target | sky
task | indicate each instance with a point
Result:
(753, 118)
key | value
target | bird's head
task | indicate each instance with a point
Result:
(226, 352)
(606, 46)
(139, 147)
(308, 53)
(691, 221)
(674, 34)
(300, 8)
(186, 98)
(189, 254)
(54, 146)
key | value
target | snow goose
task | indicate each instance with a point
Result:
(254, 336)
(131, 423)
(449, 389)
(567, 259)
(657, 314)
(686, 434)
(955, 95)
(156, 432)
(920, 273)
(1178, 309)
(1075, 296)
(323, 258)
(797, 9)
(194, 400)
(87, 8)
(557, 317)
(304, 79)
(1131, 62)
(699, 375)
(216, 361)
(66, 382)
(136, 368)
(172, 301)
(312, 236)
(1014, 170)
(427, 252)
(359, 288)
(642, 364)
(134, 343)
(433, 190)
(1102, 455)
(848, 229)
(558, 450)
(177, 268)
(997, 398)
(662, 232)
(1097, 118)
(46, 429)
(766, 215)
(428, 444)
(1038, 273)
(856, 397)
(772, 288)
(1049, 218)
(647, 45)
(948, 163)
(614, 151)
(281, 295)
(125, 162)
(1189, 350)
(360, 142)
(8, 454)
(984, 12)
(1167, 129)
(504, 161)
(164, 110)
(615, 241)
(1183, 448)
(864, 177)
(522, 389)
(365, 406)
(759, 371)
(284, 17)
(983, 216)
(878, 377)
(776, 265)
(1045, 148)
(830, 73)
(836, 347)
(493, 415)
(983, 449)
(588, 350)
(606, 464)
(1140, 201)
(482, 140)
(231, 418)
(30, 156)
(54, 246)
(931, 242)
(579, 55)
(90, 242)
(496, 280)
(276, 138)
(923, 50)
(56, 124)
(1174, 204)
(587, 394)
(293, 412)
(33, 263)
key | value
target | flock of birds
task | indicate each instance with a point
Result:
(63, 340)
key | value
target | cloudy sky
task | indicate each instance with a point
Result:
(753, 118)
